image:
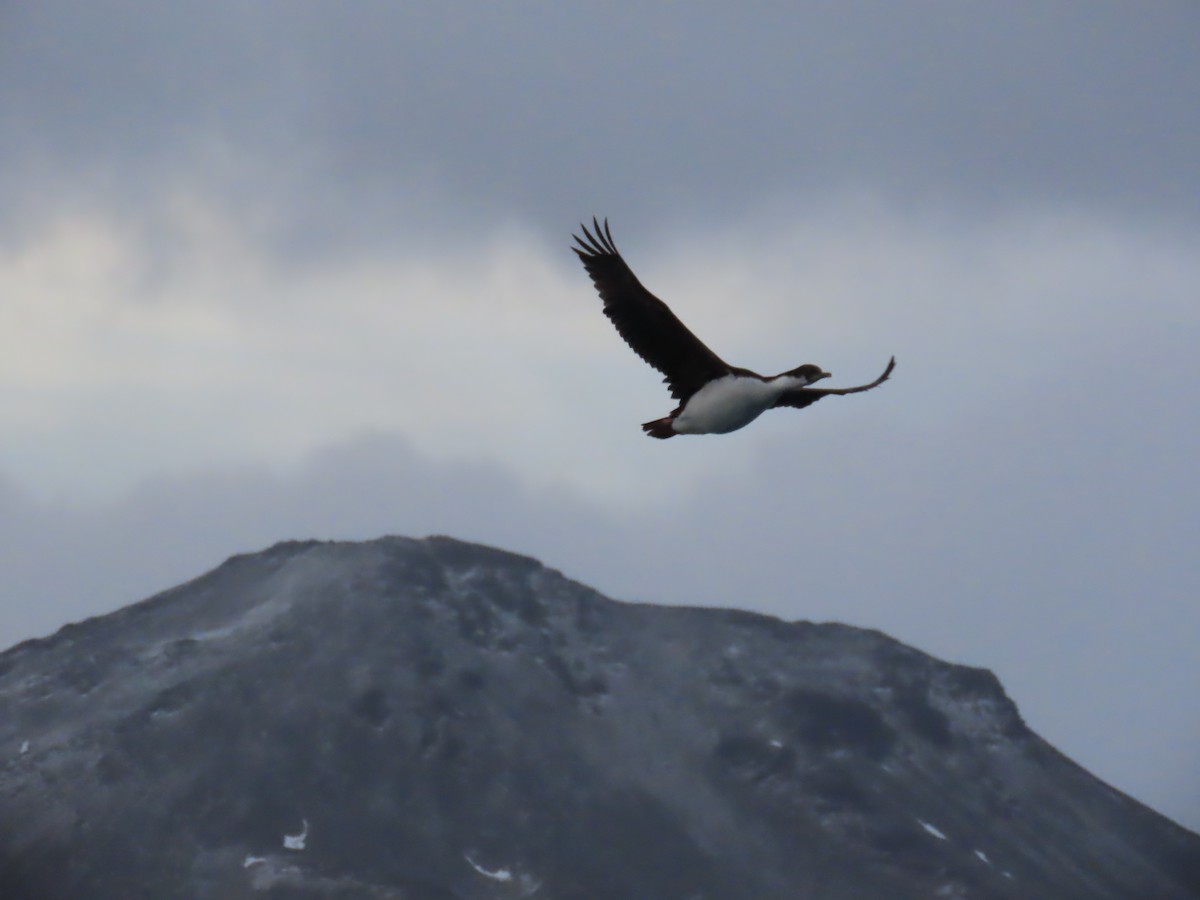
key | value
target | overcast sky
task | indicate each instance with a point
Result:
(285, 270)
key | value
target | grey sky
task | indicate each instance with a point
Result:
(656, 111)
(282, 270)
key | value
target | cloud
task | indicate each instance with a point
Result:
(389, 121)
(118, 363)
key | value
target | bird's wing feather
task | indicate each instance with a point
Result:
(645, 322)
(798, 398)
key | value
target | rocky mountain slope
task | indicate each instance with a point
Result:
(430, 720)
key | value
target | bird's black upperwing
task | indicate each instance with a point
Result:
(645, 322)
(799, 398)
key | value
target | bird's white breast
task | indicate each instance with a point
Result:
(728, 403)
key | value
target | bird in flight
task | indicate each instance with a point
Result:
(714, 397)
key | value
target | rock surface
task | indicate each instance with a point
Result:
(431, 720)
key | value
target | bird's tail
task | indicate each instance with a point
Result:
(660, 428)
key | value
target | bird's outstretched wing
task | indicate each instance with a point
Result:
(798, 398)
(645, 322)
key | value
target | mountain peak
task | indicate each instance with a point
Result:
(436, 719)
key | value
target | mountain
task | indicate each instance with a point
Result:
(435, 720)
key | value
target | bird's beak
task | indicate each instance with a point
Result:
(824, 375)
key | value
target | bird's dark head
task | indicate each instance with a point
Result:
(808, 372)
